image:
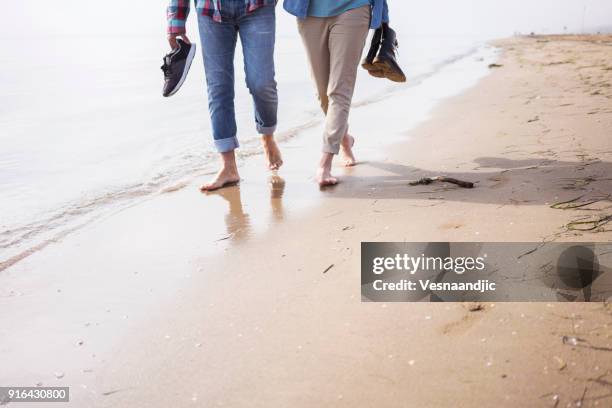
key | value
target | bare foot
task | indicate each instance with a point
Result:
(273, 154)
(225, 177)
(348, 142)
(324, 177)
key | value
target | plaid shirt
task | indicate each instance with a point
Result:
(178, 10)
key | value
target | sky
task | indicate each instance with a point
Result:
(490, 18)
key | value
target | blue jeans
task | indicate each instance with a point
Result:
(218, 39)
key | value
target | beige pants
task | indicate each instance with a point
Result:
(334, 46)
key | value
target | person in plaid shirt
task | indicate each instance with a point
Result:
(220, 22)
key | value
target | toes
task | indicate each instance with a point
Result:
(218, 185)
(275, 164)
(349, 160)
(328, 181)
(210, 187)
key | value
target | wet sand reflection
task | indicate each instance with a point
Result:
(238, 222)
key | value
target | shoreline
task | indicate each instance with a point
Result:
(82, 214)
(268, 308)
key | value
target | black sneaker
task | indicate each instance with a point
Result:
(176, 66)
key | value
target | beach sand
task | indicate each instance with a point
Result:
(229, 300)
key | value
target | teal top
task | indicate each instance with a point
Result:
(331, 8)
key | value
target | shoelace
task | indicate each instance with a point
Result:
(396, 46)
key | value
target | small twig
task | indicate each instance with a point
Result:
(106, 394)
(571, 204)
(582, 343)
(555, 398)
(600, 380)
(582, 398)
(224, 238)
(531, 251)
(428, 180)
(589, 225)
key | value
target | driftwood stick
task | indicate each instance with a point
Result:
(428, 180)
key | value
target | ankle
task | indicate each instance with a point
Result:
(229, 168)
(228, 160)
(267, 139)
(326, 161)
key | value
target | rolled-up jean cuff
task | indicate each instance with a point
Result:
(331, 149)
(227, 144)
(266, 130)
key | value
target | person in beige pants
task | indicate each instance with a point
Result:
(334, 46)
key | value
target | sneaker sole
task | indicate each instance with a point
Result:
(188, 62)
(373, 70)
(389, 72)
(368, 66)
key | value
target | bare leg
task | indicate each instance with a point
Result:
(273, 154)
(324, 177)
(227, 176)
(347, 150)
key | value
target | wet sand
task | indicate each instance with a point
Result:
(228, 299)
